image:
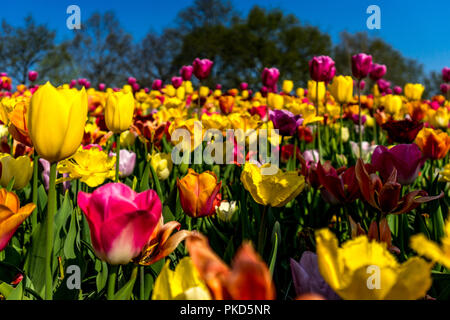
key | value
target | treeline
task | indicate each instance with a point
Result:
(103, 52)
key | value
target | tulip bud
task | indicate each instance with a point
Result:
(446, 74)
(131, 81)
(202, 68)
(288, 85)
(177, 82)
(270, 77)
(342, 89)
(225, 211)
(414, 91)
(21, 169)
(361, 64)
(157, 84)
(398, 90)
(186, 72)
(32, 76)
(101, 87)
(162, 164)
(322, 69)
(119, 111)
(243, 86)
(377, 71)
(204, 91)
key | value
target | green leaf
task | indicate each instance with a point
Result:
(145, 176)
(125, 292)
(276, 233)
(156, 181)
(11, 184)
(35, 260)
(6, 289)
(16, 293)
(69, 243)
(102, 275)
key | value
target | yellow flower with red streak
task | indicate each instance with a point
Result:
(434, 144)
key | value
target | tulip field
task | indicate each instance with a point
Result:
(336, 191)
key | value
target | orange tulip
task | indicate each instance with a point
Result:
(434, 144)
(198, 192)
(226, 104)
(18, 123)
(161, 243)
(11, 215)
(248, 279)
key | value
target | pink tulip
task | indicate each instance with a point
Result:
(446, 74)
(72, 83)
(101, 86)
(177, 82)
(127, 162)
(121, 221)
(202, 68)
(322, 69)
(218, 87)
(136, 86)
(87, 84)
(131, 81)
(147, 90)
(383, 85)
(406, 158)
(157, 84)
(445, 88)
(186, 72)
(377, 71)
(398, 90)
(362, 84)
(32, 76)
(270, 77)
(82, 81)
(361, 64)
(3, 74)
(243, 86)
(262, 111)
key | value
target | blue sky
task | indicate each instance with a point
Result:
(419, 29)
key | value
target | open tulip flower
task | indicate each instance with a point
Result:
(11, 215)
(434, 144)
(385, 197)
(402, 131)
(121, 221)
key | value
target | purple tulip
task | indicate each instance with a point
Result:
(361, 64)
(101, 86)
(322, 69)
(270, 77)
(446, 74)
(46, 175)
(383, 85)
(445, 88)
(157, 84)
(377, 71)
(32, 76)
(285, 121)
(307, 278)
(202, 68)
(406, 158)
(131, 81)
(127, 162)
(398, 90)
(186, 72)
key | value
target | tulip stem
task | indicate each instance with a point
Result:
(142, 283)
(34, 217)
(341, 145)
(262, 230)
(51, 209)
(112, 276)
(360, 120)
(117, 156)
(319, 143)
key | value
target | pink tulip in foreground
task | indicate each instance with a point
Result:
(121, 221)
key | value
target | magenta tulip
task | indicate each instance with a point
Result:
(270, 77)
(361, 64)
(362, 84)
(383, 85)
(218, 86)
(202, 68)
(398, 90)
(121, 221)
(157, 84)
(177, 82)
(131, 81)
(186, 72)
(32, 76)
(322, 69)
(101, 86)
(446, 74)
(243, 86)
(72, 83)
(406, 158)
(136, 86)
(377, 71)
(445, 88)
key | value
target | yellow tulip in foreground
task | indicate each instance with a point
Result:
(272, 190)
(182, 284)
(56, 120)
(21, 169)
(366, 270)
(414, 91)
(119, 111)
(162, 163)
(431, 250)
(342, 89)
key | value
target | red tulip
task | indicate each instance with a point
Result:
(402, 131)
(121, 221)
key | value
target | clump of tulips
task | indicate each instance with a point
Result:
(181, 191)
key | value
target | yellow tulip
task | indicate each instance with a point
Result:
(56, 120)
(204, 92)
(431, 250)
(312, 89)
(275, 101)
(445, 175)
(271, 190)
(182, 284)
(288, 85)
(300, 92)
(188, 87)
(119, 111)
(342, 89)
(366, 270)
(439, 118)
(21, 169)
(162, 164)
(181, 93)
(414, 91)
(127, 139)
(392, 104)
